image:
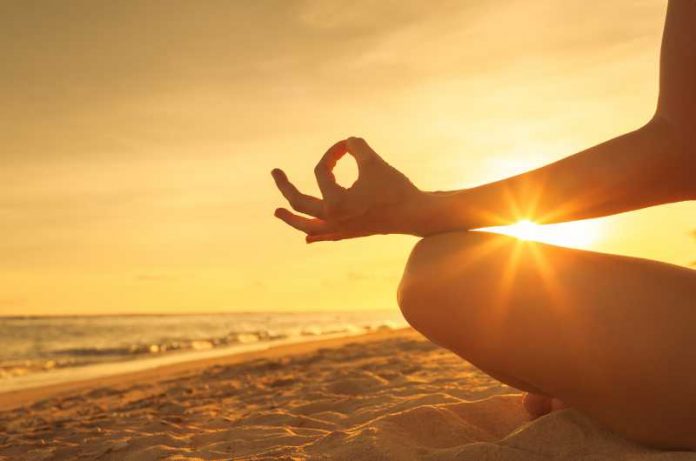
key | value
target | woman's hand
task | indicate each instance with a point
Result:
(381, 201)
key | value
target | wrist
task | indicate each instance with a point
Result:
(436, 213)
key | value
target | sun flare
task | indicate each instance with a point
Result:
(579, 234)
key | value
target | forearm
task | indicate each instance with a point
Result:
(650, 166)
(653, 165)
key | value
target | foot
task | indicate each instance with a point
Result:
(539, 405)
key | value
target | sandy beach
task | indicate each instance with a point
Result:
(383, 396)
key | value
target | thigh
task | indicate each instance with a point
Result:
(611, 335)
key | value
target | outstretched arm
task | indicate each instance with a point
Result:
(653, 165)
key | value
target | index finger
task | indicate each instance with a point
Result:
(360, 150)
(299, 201)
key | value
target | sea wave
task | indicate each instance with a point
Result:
(67, 343)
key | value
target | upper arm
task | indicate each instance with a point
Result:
(677, 101)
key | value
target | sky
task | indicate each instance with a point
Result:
(137, 138)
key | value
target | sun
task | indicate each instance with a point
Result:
(578, 234)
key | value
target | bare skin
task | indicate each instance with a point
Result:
(611, 336)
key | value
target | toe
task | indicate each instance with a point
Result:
(537, 405)
(557, 404)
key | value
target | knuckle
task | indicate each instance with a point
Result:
(353, 140)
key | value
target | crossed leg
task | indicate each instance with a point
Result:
(612, 336)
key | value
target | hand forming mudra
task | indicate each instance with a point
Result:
(381, 201)
(611, 336)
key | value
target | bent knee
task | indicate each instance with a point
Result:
(439, 264)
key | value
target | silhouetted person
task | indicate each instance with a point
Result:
(613, 336)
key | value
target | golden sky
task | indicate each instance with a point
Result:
(137, 138)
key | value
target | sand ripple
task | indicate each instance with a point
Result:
(396, 399)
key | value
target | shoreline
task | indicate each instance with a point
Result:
(169, 366)
(381, 395)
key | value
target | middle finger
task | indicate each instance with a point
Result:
(298, 201)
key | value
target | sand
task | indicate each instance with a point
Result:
(385, 396)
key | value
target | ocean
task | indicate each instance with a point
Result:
(40, 351)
